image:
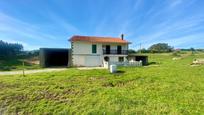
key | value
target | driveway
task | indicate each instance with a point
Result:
(31, 71)
(90, 68)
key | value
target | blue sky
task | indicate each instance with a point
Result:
(50, 23)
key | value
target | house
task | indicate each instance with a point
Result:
(98, 51)
(92, 51)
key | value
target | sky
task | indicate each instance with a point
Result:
(50, 23)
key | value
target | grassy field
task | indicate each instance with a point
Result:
(167, 87)
(16, 63)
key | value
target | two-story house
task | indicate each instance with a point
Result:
(97, 51)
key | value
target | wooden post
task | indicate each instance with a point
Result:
(140, 47)
(23, 69)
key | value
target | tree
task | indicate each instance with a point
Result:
(10, 49)
(192, 50)
(160, 48)
(131, 51)
(143, 50)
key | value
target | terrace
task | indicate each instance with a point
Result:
(115, 52)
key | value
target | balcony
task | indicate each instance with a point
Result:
(115, 52)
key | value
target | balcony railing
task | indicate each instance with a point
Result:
(115, 52)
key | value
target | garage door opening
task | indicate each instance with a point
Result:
(142, 58)
(53, 57)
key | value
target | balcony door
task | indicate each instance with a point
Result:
(107, 49)
(119, 49)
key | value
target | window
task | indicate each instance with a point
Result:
(94, 48)
(120, 59)
(119, 49)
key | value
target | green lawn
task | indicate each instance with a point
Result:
(169, 87)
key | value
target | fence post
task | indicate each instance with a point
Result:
(23, 69)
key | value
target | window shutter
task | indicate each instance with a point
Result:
(94, 48)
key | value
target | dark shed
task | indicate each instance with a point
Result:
(54, 57)
(137, 57)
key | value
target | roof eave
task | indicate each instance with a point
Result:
(99, 42)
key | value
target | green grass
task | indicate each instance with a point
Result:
(172, 87)
(16, 63)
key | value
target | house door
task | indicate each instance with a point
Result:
(106, 61)
(107, 49)
(119, 49)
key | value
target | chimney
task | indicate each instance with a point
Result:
(122, 36)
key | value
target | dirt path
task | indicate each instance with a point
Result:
(31, 71)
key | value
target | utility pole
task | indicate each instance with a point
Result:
(140, 47)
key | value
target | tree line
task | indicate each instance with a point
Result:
(10, 49)
(155, 48)
(161, 48)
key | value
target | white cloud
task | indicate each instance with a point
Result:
(17, 27)
(18, 30)
(187, 39)
(174, 3)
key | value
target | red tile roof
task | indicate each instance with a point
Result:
(95, 39)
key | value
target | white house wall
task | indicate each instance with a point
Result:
(115, 58)
(82, 54)
(86, 60)
(85, 48)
